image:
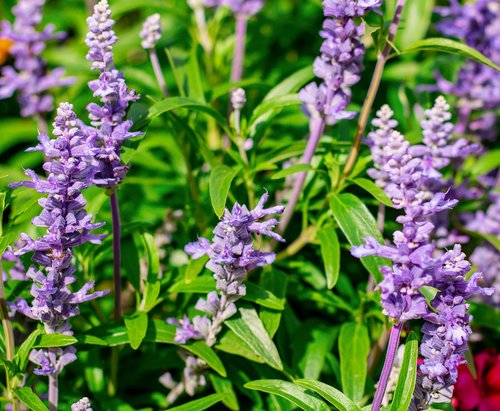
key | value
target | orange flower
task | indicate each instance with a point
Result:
(5, 45)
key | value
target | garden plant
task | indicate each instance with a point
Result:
(249, 205)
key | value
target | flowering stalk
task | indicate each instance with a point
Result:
(239, 48)
(29, 76)
(373, 89)
(151, 34)
(231, 256)
(198, 7)
(338, 66)
(70, 170)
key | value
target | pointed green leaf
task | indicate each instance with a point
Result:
(354, 346)
(225, 387)
(330, 252)
(407, 375)
(450, 46)
(276, 282)
(22, 355)
(54, 340)
(248, 326)
(294, 393)
(30, 399)
(329, 393)
(296, 168)
(136, 325)
(199, 405)
(220, 183)
(370, 187)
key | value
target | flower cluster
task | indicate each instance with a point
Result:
(29, 75)
(409, 176)
(232, 255)
(476, 85)
(82, 405)
(110, 129)
(70, 170)
(151, 31)
(341, 60)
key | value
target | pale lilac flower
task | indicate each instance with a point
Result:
(82, 405)
(151, 31)
(243, 7)
(341, 60)
(70, 170)
(238, 99)
(29, 76)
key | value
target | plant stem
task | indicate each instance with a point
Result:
(115, 215)
(372, 90)
(199, 15)
(239, 48)
(158, 73)
(53, 392)
(317, 128)
(386, 370)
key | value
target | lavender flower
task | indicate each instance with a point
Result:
(238, 99)
(243, 7)
(29, 75)
(477, 86)
(340, 62)
(232, 255)
(110, 129)
(151, 31)
(70, 170)
(82, 405)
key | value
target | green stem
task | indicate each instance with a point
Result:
(372, 91)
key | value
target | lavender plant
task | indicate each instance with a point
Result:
(28, 76)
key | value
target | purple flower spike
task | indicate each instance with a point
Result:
(341, 60)
(70, 170)
(29, 75)
(151, 31)
(110, 129)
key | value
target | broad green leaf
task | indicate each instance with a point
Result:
(354, 346)
(357, 223)
(407, 375)
(291, 392)
(232, 344)
(176, 103)
(199, 405)
(224, 387)
(202, 350)
(416, 19)
(136, 325)
(54, 340)
(487, 162)
(151, 294)
(296, 168)
(373, 189)
(248, 326)
(485, 316)
(220, 183)
(330, 252)
(194, 268)
(30, 399)
(450, 46)
(276, 282)
(263, 297)
(312, 342)
(267, 107)
(292, 83)
(329, 393)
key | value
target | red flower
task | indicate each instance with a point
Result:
(483, 393)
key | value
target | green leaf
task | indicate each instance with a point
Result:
(30, 399)
(136, 325)
(2, 208)
(195, 84)
(487, 162)
(151, 294)
(296, 168)
(263, 297)
(267, 107)
(248, 326)
(492, 239)
(295, 394)
(199, 405)
(428, 292)
(232, 344)
(292, 83)
(22, 355)
(357, 223)
(220, 183)
(416, 19)
(330, 252)
(329, 393)
(202, 350)
(407, 375)
(54, 340)
(373, 189)
(194, 268)
(224, 387)
(450, 46)
(175, 103)
(276, 282)
(354, 346)
(152, 256)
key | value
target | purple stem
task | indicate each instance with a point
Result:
(115, 214)
(239, 48)
(53, 392)
(158, 73)
(392, 348)
(317, 128)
